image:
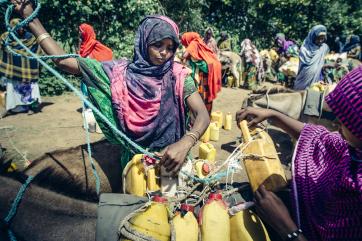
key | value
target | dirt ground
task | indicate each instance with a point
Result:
(59, 126)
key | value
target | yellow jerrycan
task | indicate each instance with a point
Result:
(202, 168)
(185, 224)
(206, 136)
(214, 132)
(265, 167)
(217, 116)
(153, 222)
(135, 180)
(228, 121)
(214, 219)
(247, 226)
(207, 152)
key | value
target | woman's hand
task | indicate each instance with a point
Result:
(23, 7)
(253, 115)
(273, 211)
(173, 156)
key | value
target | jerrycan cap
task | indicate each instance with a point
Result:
(159, 199)
(215, 196)
(186, 207)
(205, 169)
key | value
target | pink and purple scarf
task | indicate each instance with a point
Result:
(148, 99)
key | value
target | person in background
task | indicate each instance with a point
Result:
(311, 58)
(224, 43)
(147, 97)
(210, 41)
(326, 170)
(206, 68)
(90, 47)
(286, 48)
(253, 64)
(19, 75)
(353, 48)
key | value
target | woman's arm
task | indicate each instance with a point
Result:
(173, 156)
(256, 115)
(49, 45)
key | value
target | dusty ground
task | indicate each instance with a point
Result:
(59, 126)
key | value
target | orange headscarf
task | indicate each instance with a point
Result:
(196, 47)
(92, 48)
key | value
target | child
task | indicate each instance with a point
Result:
(326, 170)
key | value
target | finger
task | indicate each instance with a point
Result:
(176, 170)
(171, 167)
(162, 156)
(257, 197)
(263, 192)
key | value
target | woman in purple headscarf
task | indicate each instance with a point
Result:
(326, 170)
(146, 98)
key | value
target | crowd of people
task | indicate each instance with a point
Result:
(164, 106)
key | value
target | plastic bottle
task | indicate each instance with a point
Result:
(185, 224)
(207, 152)
(247, 226)
(265, 168)
(217, 116)
(228, 121)
(214, 132)
(153, 222)
(214, 220)
(206, 136)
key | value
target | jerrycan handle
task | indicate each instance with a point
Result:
(245, 130)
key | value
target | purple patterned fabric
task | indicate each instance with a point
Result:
(327, 186)
(346, 101)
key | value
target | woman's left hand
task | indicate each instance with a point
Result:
(173, 156)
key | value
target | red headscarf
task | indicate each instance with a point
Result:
(196, 47)
(92, 48)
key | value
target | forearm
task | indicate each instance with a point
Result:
(288, 124)
(51, 47)
(288, 227)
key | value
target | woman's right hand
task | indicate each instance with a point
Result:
(253, 115)
(23, 7)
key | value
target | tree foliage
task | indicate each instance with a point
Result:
(116, 21)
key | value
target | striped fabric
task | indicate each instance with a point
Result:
(346, 101)
(18, 68)
(327, 186)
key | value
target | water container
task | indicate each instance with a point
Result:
(135, 180)
(214, 132)
(185, 224)
(206, 136)
(2, 99)
(230, 81)
(265, 168)
(247, 226)
(90, 121)
(228, 121)
(217, 116)
(207, 152)
(153, 222)
(202, 168)
(214, 220)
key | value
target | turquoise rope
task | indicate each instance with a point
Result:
(15, 205)
(207, 180)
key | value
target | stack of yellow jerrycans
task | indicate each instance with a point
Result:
(263, 165)
(156, 222)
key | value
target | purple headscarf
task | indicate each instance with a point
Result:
(327, 172)
(147, 98)
(285, 44)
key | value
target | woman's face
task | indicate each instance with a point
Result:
(161, 51)
(320, 40)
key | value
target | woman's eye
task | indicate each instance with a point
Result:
(157, 45)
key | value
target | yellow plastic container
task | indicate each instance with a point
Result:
(217, 116)
(215, 223)
(207, 152)
(230, 81)
(206, 136)
(265, 167)
(135, 180)
(186, 226)
(202, 169)
(247, 226)
(154, 221)
(228, 121)
(214, 132)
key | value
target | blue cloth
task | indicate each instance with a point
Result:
(311, 59)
